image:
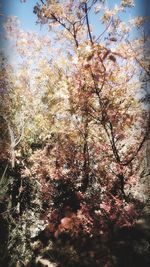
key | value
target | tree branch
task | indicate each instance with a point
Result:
(139, 148)
(87, 22)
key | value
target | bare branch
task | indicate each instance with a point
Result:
(107, 27)
(87, 22)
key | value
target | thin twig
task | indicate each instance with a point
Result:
(104, 30)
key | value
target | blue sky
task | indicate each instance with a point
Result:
(24, 11)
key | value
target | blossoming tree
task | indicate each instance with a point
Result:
(78, 92)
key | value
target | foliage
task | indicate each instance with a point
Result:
(76, 129)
